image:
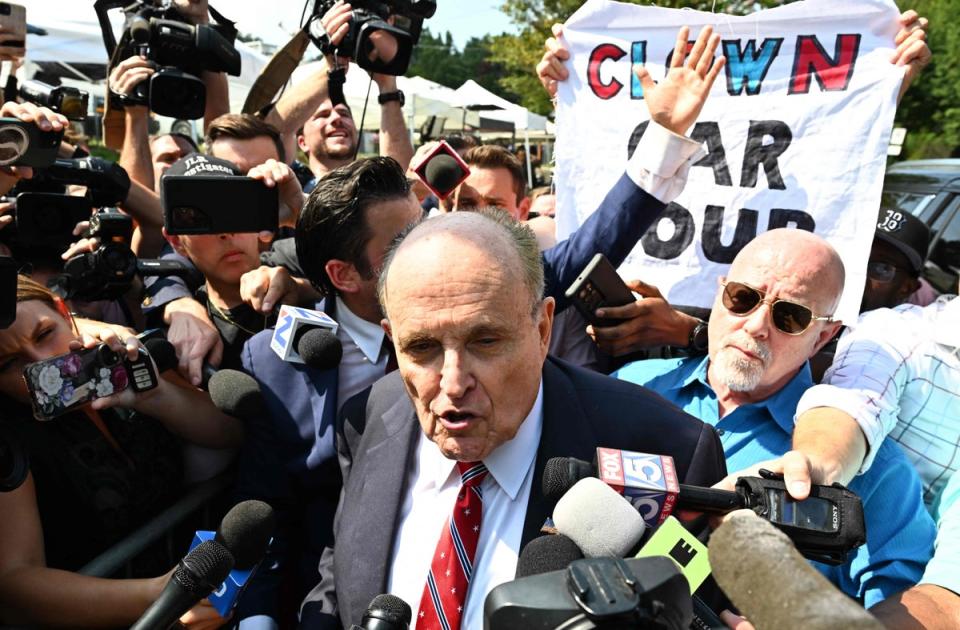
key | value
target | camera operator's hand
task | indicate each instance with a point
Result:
(551, 70)
(266, 287)
(336, 23)
(194, 337)
(196, 11)
(7, 210)
(128, 74)
(273, 173)
(676, 101)
(735, 621)
(650, 322)
(44, 118)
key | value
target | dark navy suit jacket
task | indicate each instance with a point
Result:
(376, 443)
(289, 459)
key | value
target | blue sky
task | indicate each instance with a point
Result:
(468, 19)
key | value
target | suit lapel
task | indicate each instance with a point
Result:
(566, 433)
(382, 482)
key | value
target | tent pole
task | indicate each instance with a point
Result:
(526, 146)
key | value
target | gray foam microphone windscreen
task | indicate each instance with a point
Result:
(598, 520)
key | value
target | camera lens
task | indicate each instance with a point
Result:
(115, 260)
(107, 357)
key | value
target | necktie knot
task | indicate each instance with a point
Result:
(472, 474)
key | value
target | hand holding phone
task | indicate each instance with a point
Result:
(597, 286)
(90, 372)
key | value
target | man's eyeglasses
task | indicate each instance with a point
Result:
(789, 317)
(881, 271)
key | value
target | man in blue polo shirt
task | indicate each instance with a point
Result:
(772, 313)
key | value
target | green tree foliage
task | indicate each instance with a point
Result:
(436, 58)
(520, 53)
(930, 109)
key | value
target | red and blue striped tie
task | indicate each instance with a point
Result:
(445, 594)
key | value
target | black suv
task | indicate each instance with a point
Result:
(930, 190)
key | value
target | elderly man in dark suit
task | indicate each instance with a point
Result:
(442, 460)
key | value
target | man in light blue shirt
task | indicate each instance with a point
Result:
(772, 313)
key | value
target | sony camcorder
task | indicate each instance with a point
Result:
(382, 34)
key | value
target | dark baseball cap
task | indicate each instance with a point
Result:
(200, 164)
(907, 233)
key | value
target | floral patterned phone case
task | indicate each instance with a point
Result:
(61, 384)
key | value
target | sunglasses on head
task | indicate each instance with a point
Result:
(788, 317)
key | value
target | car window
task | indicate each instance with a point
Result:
(946, 251)
(917, 204)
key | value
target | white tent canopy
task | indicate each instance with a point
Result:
(472, 95)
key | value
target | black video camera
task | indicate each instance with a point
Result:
(374, 43)
(180, 49)
(108, 272)
(63, 99)
(107, 183)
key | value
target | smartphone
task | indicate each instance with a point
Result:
(597, 286)
(62, 384)
(442, 170)
(218, 205)
(8, 291)
(25, 144)
(48, 219)
(13, 21)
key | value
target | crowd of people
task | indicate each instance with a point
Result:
(415, 465)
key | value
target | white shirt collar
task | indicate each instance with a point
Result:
(367, 336)
(508, 463)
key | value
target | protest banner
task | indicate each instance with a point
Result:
(796, 130)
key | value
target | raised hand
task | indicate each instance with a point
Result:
(676, 101)
(551, 70)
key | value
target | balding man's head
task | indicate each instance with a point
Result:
(757, 351)
(458, 294)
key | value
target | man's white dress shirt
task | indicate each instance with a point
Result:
(363, 362)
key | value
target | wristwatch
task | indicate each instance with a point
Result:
(699, 339)
(386, 97)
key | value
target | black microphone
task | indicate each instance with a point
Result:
(318, 347)
(246, 531)
(165, 356)
(443, 173)
(237, 394)
(197, 575)
(385, 612)
(552, 552)
(561, 473)
(162, 352)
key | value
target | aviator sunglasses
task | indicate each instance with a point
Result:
(789, 317)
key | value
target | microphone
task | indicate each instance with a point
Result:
(649, 482)
(551, 552)
(201, 571)
(245, 532)
(290, 337)
(385, 612)
(237, 394)
(165, 356)
(162, 352)
(598, 520)
(318, 347)
(765, 576)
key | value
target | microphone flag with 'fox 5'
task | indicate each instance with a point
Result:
(649, 482)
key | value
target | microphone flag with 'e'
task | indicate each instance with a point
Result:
(763, 574)
(245, 531)
(197, 575)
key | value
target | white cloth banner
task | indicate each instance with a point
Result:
(796, 126)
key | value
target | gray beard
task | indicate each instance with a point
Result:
(738, 374)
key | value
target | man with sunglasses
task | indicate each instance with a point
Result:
(772, 313)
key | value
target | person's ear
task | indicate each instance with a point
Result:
(175, 242)
(523, 209)
(827, 333)
(302, 143)
(545, 323)
(343, 276)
